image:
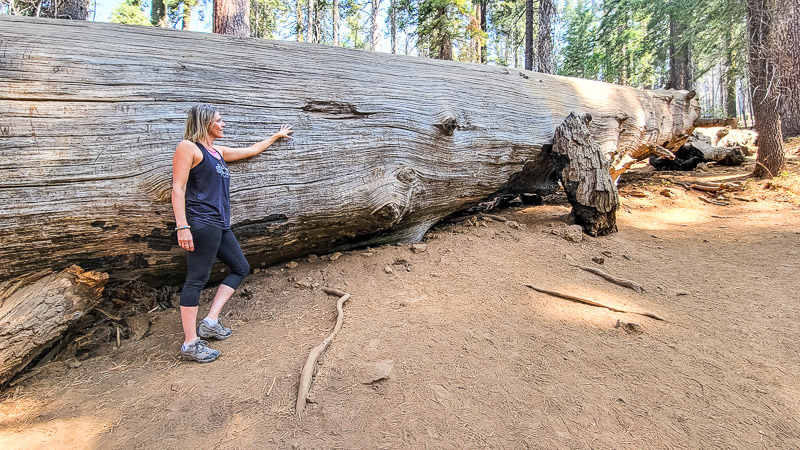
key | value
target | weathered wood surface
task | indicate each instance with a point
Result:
(34, 315)
(385, 145)
(584, 173)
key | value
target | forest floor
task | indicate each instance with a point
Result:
(451, 350)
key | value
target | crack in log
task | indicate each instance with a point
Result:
(335, 110)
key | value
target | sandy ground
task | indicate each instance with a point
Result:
(467, 356)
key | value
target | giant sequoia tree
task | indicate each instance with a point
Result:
(232, 17)
(770, 160)
(788, 52)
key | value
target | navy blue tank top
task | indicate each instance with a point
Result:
(208, 192)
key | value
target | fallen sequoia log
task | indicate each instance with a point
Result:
(385, 145)
(35, 314)
(723, 145)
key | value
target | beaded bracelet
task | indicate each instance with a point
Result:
(183, 228)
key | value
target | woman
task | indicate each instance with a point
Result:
(201, 201)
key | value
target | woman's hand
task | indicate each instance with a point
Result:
(185, 239)
(284, 132)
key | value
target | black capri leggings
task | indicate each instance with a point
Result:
(211, 243)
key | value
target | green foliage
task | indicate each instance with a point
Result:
(130, 12)
(579, 57)
(439, 23)
(264, 17)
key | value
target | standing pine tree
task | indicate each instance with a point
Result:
(770, 160)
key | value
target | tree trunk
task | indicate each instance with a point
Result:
(335, 23)
(484, 29)
(384, 145)
(299, 24)
(73, 9)
(232, 17)
(788, 35)
(187, 16)
(34, 316)
(310, 21)
(544, 44)
(584, 172)
(158, 14)
(374, 38)
(679, 69)
(770, 160)
(393, 24)
(528, 34)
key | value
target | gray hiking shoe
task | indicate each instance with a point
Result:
(218, 331)
(199, 351)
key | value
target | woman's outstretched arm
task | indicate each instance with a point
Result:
(235, 154)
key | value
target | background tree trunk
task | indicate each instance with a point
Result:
(158, 13)
(378, 156)
(187, 16)
(73, 9)
(374, 37)
(770, 160)
(232, 17)
(544, 42)
(393, 25)
(528, 34)
(788, 36)
(679, 64)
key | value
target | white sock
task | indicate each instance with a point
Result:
(211, 322)
(186, 345)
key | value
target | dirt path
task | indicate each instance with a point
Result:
(476, 359)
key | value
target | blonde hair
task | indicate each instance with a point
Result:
(198, 121)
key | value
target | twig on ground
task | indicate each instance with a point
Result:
(614, 279)
(272, 386)
(307, 373)
(713, 202)
(592, 302)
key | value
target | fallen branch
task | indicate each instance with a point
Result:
(307, 373)
(614, 279)
(592, 302)
(713, 202)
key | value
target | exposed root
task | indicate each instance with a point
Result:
(307, 373)
(592, 302)
(614, 279)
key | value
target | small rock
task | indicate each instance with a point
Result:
(638, 194)
(368, 253)
(629, 327)
(73, 364)
(138, 326)
(291, 264)
(304, 284)
(418, 248)
(434, 275)
(702, 167)
(599, 260)
(312, 258)
(176, 386)
(513, 224)
(669, 193)
(574, 233)
(369, 373)
(334, 256)
(681, 292)
(388, 269)
(606, 253)
(256, 270)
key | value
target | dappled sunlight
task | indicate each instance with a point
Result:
(77, 432)
(571, 311)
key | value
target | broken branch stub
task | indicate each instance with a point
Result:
(584, 172)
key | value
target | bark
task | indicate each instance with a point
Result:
(716, 122)
(385, 145)
(232, 17)
(158, 14)
(311, 21)
(679, 64)
(187, 16)
(393, 24)
(73, 9)
(528, 34)
(34, 316)
(335, 22)
(583, 170)
(770, 160)
(788, 35)
(544, 44)
(484, 52)
(374, 38)
(299, 24)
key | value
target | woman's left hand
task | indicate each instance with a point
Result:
(284, 132)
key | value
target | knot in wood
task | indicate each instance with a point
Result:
(390, 213)
(446, 123)
(406, 175)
